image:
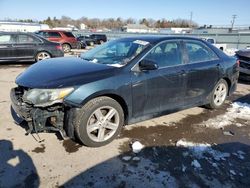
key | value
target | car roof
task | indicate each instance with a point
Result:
(52, 30)
(159, 38)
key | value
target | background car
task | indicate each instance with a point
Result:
(66, 38)
(85, 41)
(99, 38)
(244, 58)
(17, 46)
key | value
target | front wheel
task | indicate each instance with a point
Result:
(219, 94)
(99, 121)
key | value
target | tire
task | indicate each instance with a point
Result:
(101, 42)
(218, 95)
(66, 48)
(42, 55)
(99, 121)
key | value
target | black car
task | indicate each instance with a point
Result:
(18, 46)
(122, 82)
(99, 38)
(85, 41)
(244, 60)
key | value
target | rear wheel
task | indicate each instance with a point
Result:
(66, 48)
(99, 121)
(219, 94)
(42, 55)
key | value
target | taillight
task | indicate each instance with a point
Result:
(59, 47)
(238, 63)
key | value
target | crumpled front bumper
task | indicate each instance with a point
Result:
(39, 119)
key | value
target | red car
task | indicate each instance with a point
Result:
(66, 38)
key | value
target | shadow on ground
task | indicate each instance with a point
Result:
(223, 165)
(16, 167)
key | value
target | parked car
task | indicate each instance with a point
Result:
(123, 81)
(221, 46)
(18, 46)
(85, 41)
(244, 58)
(66, 38)
(99, 38)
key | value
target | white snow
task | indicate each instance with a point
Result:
(199, 149)
(237, 110)
(126, 158)
(232, 172)
(137, 147)
(196, 164)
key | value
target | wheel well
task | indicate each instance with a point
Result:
(122, 102)
(228, 83)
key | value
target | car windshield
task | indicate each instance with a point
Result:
(116, 53)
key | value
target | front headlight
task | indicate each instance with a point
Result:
(46, 97)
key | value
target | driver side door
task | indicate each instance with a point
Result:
(157, 91)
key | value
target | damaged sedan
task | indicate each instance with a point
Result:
(121, 82)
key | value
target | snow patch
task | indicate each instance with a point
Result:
(196, 164)
(199, 149)
(137, 147)
(237, 110)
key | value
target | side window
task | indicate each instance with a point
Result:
(166, 54)
(27, 39)
(54, 34)
(198, 53)
(6, 39)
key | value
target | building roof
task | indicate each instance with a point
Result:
(19, 23)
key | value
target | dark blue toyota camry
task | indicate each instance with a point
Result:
(122, 82)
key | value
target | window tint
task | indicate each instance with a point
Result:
(198, 53)
(27, 39)
(53, 34)
(5, 39)
(166, 54)
(68, 34)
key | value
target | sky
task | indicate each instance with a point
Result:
(209, 12)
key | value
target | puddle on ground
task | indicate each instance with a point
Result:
(39, 149)
(71, 146)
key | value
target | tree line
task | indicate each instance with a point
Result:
(113, 23)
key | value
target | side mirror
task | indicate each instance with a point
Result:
(148, 65)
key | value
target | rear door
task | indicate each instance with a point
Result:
(160, 90)
(203, 71)
(54, 36)
(26, 46)
(6, 46)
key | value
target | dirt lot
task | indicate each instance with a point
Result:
(192, 148)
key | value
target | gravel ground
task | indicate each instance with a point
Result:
(182, 149)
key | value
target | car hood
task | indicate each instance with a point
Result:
(63, 72)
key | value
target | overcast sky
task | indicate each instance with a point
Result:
(215, 12)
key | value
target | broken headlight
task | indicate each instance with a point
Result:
(46, 97)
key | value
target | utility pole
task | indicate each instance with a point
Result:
(191, 19)
(233, 20)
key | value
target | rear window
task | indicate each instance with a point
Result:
(68, 34)
(199, 53)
